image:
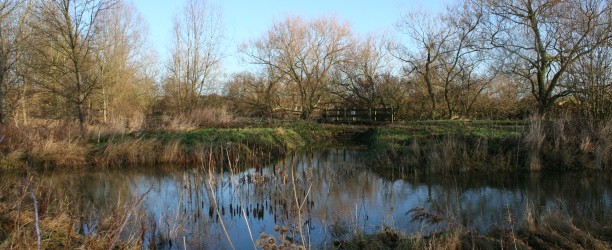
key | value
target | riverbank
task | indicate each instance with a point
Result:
(427, 147)
(333, 190)
(60, 147)
(552, 230)
(454, 147)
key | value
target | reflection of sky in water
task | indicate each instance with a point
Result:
(339, 192)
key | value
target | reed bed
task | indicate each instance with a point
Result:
(549, 230)
(32, 218)
(129, 227)
(58, 145)
(46, 144)
(542, 145)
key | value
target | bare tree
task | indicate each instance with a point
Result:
(590, 80)
(196, 53)
(11, 27)
(303, 54)
(422, 55)
(361, 76)
(122, 60)
(255, 94)
(444, 54)
(66, 49)
(540, 40)
(462, 65)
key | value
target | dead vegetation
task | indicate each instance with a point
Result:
(554, 145)
(550, 230)
(23, 201)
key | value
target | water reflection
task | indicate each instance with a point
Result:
(327, 194)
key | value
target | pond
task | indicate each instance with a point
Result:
(318, 197)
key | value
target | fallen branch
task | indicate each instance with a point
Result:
(37, 220)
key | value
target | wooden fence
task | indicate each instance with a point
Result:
(353, 115)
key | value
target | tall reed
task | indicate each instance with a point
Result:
(533, 142)
(29, 212)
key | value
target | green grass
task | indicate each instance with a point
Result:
(418, 143)
(288, 137)
(443, 146)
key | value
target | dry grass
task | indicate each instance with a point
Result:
(59, 221)
(203, 117)
(603, 147)
(564, 144)
(48, 144)
(130, 151)
(533, 142)
(450, 154)
(557, 230)
(170, 152)
(117, 126)
(65, 153)
(550, 230)
(12, 160)
(568, 143)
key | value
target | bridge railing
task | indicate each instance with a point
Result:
(355, 115)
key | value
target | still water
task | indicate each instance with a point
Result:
(322, 196)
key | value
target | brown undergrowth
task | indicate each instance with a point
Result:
(565, 144)
(568, 144)
(53, 144)
(549, 230)
(32, 217)
(45, 144)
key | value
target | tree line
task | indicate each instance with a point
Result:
(477, 59)
(90, 61)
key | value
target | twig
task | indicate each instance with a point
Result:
(127, 216)
(37, 221)
(299, 206)
(246, 219)
(247, 224)
(212, 192)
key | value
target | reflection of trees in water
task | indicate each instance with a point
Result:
(334, 188)
(92, 196)
(480, 202)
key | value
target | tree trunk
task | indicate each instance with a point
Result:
(2, 96)
(104, 106)
(80, 102)
(448, 103)
(430, 91)
(23, 103)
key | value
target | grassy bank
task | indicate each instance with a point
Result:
(60, 146)
(426, 147)
(450, 147)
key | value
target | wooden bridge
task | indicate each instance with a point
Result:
(355, 115)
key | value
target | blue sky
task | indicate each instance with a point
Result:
(249, 19)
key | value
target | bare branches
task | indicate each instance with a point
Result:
(66, 38)
(303, 55)
(360, 78)
(127, 217)
(28, 186)
(196, 53)
(546, 39)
